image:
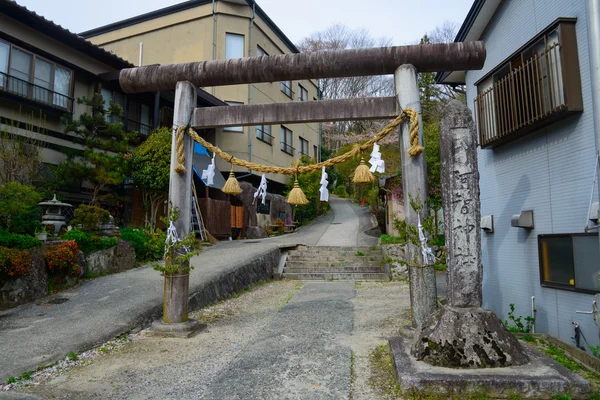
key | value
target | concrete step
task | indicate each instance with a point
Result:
(330, 270)
(338, 276)
(340, 248)
(331, 264)
(373, 258)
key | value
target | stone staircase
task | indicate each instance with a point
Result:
(336, 263)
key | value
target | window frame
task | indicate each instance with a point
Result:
(31, 78)
(262, 131)
(302, 143)
(260, 49)
(552, 285)
(287, 85)
(236, 129)
(284, 144)
(302, 91)
(243, 44)
(499, 123)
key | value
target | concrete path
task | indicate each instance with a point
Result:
(282, 340)
(348, 225)
(302, 353)
(100, 309)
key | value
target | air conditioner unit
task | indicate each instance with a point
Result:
(595, 212)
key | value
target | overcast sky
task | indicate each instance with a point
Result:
(402, 20)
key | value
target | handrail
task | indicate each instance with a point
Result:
(26, 89)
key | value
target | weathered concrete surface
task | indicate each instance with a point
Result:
(414, 170)
(322, 64)
(31, 286)
(117, 258)
(103, 308)
(465, 335)
(398, 261)
(294, 112)
(240, 329)
(541, 378)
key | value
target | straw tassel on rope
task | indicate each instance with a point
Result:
(232, 186)
(297, 196)
(362, 173)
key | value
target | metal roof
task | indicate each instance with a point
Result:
(57, 32)
(182, 7)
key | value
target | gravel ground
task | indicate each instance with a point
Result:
(143, 367)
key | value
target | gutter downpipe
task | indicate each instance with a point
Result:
(250, 30)
(214, 38)
(593, 29)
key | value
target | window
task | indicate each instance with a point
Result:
(302, 93)
(28, 75)
(263, 133)
(261, 52)
(316, 153)
(234, 128)
(234, 46)
(286, 87)
(569, 261)
(136, 116)
(287, 141)
(537, 85)
(304, 147)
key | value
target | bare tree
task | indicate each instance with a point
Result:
(340, 37)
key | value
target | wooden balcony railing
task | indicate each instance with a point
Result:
(526, 99)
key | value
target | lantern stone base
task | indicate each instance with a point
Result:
(184, 330)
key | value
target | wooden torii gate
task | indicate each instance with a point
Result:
(402, 61)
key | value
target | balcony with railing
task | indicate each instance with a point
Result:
(29, 91)
(129, 125)
(287, 148)
(537, 93)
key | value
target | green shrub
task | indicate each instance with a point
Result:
(17, 241)
(19, 210)
(62, 258)
(148, 244)
(340, 191)
(88, 242)
(89, 217)
(13, 263)
(388, 239)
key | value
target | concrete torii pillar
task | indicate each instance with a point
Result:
(423, 294)
(175, 321)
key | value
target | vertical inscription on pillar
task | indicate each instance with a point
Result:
(460, 186)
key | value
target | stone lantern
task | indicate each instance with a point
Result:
(54, 213)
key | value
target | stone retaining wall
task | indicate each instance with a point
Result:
(256, 270)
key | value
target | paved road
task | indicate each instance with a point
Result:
(100, 309)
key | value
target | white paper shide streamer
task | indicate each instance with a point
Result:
(377, 164)
(428, 256)
(173, 239)
(262, 189)
(324, 183)
(208, 174)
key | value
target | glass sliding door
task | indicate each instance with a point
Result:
(62, 87)
(4, 52)
(42, 80)
(20, 68)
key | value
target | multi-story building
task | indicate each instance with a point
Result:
(534, 111)
(45, 68)
(217, 30)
